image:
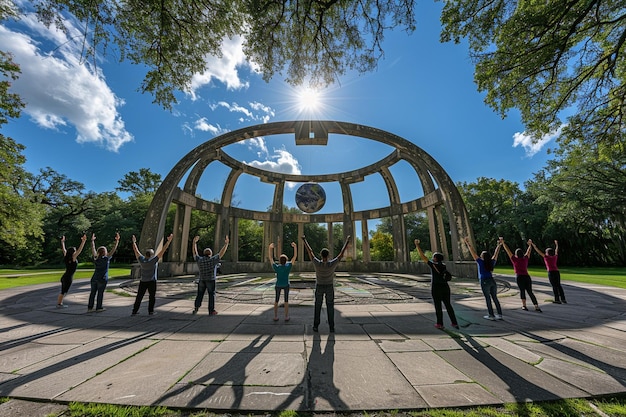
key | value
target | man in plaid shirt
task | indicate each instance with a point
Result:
(207, 266)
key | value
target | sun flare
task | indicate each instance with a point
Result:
(309, 100)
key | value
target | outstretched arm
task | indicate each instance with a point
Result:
(135, 248)
(506, 248)
(194, 246)
(270, 253)
(83, 239)
(93, 245)
(308, 248)
(471, 249)
(117, 242)
(420, 251)
(223, 250)
(529, 249)
(497, 251)
(543, 255)
(164, 248)
(343, 249)
(63, 245)
(556, 247)
(295, 252)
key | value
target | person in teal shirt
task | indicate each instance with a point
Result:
(282, 269)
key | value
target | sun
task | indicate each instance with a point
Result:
(309, 100)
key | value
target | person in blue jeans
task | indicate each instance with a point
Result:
(148, 265)
(282, 268)
(325, 282)
(207, 267)
(100, 278)
(485, 276)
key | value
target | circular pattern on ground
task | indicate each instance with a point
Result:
(374, 288)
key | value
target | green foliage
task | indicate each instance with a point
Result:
(492, 206)
(314, 39)
(548, 59)
(382, 246)
(251, 241)
(139, 183)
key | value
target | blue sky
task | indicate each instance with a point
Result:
(91, 124)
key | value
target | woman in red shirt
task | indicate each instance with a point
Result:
(520, 266)
(550, 258)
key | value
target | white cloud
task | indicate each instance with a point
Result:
(203, 125)
(256, 112)
(281, 161)
(60, 90)
(531, 144)
(223, 69)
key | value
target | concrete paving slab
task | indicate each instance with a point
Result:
(404, 345)
(354, 375)
(381, 331)
(512, 349)
(274, 346)
(23, 355)
(456, 395)
(508, 378)
(15, 407)
(587, 379)
(53, 377)
(426, 368)
(144, 377)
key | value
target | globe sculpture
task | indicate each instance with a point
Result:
(310, 197)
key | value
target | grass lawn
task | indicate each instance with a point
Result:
(10, 278)
(612, 277)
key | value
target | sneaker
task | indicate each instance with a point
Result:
(89, 310)
(557, 302)
(213, 313)
(100, 310)
(489, 317)
(439, 326)
(275, 318)
(456, 326)
(152, 313)
(287, 318)
(538, 310)
(134, 313)
(315, 329)
(195, 310)
(498, 316)
(61, 306)
(563, 301)
(524, 308)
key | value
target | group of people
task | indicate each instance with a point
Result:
(208, 264)
(440, 290)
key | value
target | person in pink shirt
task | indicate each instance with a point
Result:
(550, 258)
(520, 266)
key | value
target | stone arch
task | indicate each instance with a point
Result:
(439, 193)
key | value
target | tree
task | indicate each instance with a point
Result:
(314, 39)
(382, 246)
(584, 185)
(142, 182)
(548, 59)
(491, 207)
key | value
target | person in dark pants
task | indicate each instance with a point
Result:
(439, 288)
(554, 275)
(282, 268)
(487, 282)
(207, 267)
(70, 257)
(99, 280)
(325, 282)
(520, 266)
(148, 279)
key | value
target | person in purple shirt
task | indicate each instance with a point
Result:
(554, 275)
(485, 276)
(520, 266)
